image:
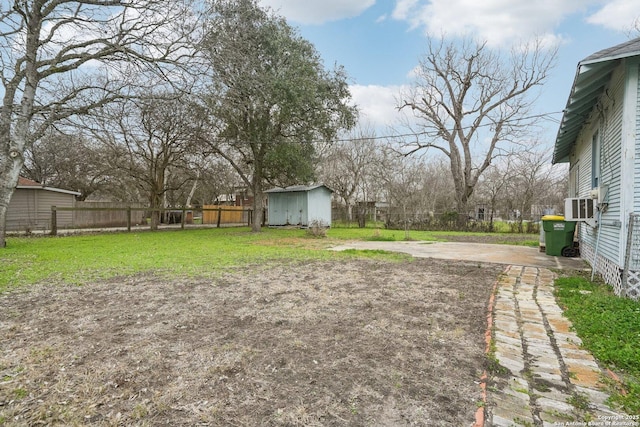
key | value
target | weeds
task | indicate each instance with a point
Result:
(609, 327)
(579, 401)
(317, 229)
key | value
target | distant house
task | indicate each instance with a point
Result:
(599, 137)
(30, 206)
(299, 205)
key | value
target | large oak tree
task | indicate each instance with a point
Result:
(270, 97)
(151, 141)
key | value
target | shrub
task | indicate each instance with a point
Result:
(317, 229)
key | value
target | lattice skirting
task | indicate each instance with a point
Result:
(610, 271)
(632, 284)
(631, 274)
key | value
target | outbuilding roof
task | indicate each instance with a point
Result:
(27, 183)
(297, 188)
(592, 76)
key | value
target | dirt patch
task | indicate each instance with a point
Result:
(350, 343)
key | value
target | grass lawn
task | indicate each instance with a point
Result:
(84, 258)
(226, 327)
(609, 328)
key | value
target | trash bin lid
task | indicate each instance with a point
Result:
(553, 218)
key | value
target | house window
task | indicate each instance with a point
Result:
(595, 160)
(574, 180)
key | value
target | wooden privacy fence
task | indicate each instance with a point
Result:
(112, 214)
(135, 216)
(212, 214)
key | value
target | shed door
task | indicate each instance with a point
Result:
(294, 206)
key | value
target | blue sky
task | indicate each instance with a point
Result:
(380, 42)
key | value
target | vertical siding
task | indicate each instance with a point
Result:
(21, 212)
(50, 198)
(320, 206)
(286, 208)
(31, 209)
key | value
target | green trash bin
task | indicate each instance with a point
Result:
(558, 234)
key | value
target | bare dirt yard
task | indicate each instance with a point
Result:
(340, 343)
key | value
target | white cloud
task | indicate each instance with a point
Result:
(318, 11)
(378, 105)
(403, 8)
(499, 22)
(619, 15)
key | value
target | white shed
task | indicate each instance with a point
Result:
(299, 205)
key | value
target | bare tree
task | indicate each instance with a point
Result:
(270, 97)
(148, 139)
(493, 185)
(62, 58)
(72, 161)
(472, 105)
(347, 164)
(532, 181)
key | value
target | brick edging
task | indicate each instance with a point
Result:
(481, 411)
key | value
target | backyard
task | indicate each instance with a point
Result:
(319, 338)
(228, 327)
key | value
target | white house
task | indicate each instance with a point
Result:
(599, 137)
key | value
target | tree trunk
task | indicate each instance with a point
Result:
(10, 165)
(193, 190)
(258, 206)
(155, 202)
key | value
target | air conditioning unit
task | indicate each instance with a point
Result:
(581, 209)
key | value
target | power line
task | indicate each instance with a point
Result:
(546, 116)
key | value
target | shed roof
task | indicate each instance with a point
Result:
(297, 188)
(592, 76)
(27, 183)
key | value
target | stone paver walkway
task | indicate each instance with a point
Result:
(549, 379)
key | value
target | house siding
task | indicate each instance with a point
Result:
(610, 239)
(30, 208)
(21, 213)
(615, 115)
(607, 120)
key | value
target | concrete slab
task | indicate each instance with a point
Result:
(477, 252)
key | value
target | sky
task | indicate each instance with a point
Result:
(380, 42)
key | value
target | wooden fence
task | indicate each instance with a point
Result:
(212, 214)
(137, 216)
(112, 214)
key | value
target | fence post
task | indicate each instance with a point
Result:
(264, 216)
(249, 217)
(128, 218)
(219, 215)
(54, 221)
(182, 218)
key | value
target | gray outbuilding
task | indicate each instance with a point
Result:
(300, 205)
(30, 206)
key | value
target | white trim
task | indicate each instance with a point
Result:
(55, 190)
(628, 151)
